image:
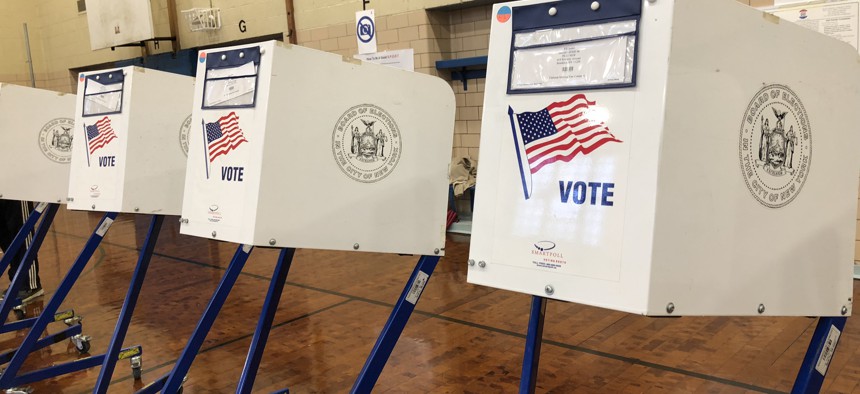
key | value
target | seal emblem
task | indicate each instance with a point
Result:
(184, 128)
(55, 140)
(366, 143)
(775, 146)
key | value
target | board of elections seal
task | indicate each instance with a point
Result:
(184, 128)
(775, 146)
(366, 143)
(55, 140)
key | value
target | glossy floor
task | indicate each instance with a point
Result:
(462, 338)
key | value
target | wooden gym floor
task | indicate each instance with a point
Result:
(462, 338)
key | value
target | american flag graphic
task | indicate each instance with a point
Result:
(559, 132)
(99, 134)
(223, 135)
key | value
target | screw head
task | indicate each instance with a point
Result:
(223, 57)
(595, 6)
(552, 11)
(355, 246)
(214, 233)
(482, 264)
(94, 206)
(436, 251)
(760, 308)
(272, 242)
(670, 307)
(472, 262)
(241, 54)
(548, 289)
(844, 310)
(136, 209)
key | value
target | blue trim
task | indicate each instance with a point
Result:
(232, 58)
(153, 387)
(124, 319)
(531, 356)
(463, 62)
(573, 13)
(809, 380)
(392, 329)
(113, 76)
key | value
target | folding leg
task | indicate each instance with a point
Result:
(180, 369)
(531, 358)
(818, 355)
(8, 377)
(264, 325)
(124, 319)
(395, 325)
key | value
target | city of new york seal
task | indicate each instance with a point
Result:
(775, 146)
(55, 140)
(366, 143)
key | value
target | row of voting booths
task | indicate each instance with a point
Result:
(634, 157)
(253, 124)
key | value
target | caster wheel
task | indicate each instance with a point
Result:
(83, 347)
(135, 372)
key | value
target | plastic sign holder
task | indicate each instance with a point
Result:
(620, 174)
(282, 160)
(121, 164)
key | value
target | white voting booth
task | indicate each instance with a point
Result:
(127, 155)
(294, 147)
(667, 158)
(37, 128)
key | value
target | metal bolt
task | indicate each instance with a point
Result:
(482, 264)
(98, 76)
(1, 196)
(241, 54)
(670, 307)
(472, 262)
(552, 11)
(110, 76)
(214, 233)
(844, 310)
(59, 201)
(548, 290)
(760, 308)
(355, 246)
(436, 251)
(223, 57)
(136, 209)
(272, 242)
(94, 206)
(595, 6)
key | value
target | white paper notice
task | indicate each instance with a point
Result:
(837, 19)
(403, 59)
(237, 89)
(597, 62)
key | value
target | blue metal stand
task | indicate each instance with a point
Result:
(8, 378)
(395, 325)
(19, 239)
(183, 364)
(818, 355)
(531, 358)
(264, 325)
(124, 319)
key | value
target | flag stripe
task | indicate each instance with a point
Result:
(535, 158)
(224, 135)
(534, 146)
(572, 154)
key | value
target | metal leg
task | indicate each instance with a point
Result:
(395, 324)
(49, 340)
(264, 325)
(183, 364)
(124, 319)
(10, 300)
(531, 358)
(7, 379)
(19, 239)
(153, 387)
(818, 355)
(64, 368)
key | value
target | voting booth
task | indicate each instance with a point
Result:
(294, 147)
(667, 158)
(127, 154)
(37, 128)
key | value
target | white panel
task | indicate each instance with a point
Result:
(300, 173)
(719, 250)
(37, 128)
(117, 22)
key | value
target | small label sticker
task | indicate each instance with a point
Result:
(417, 287)
(827, 351)
(41, 207)
(103, 228)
